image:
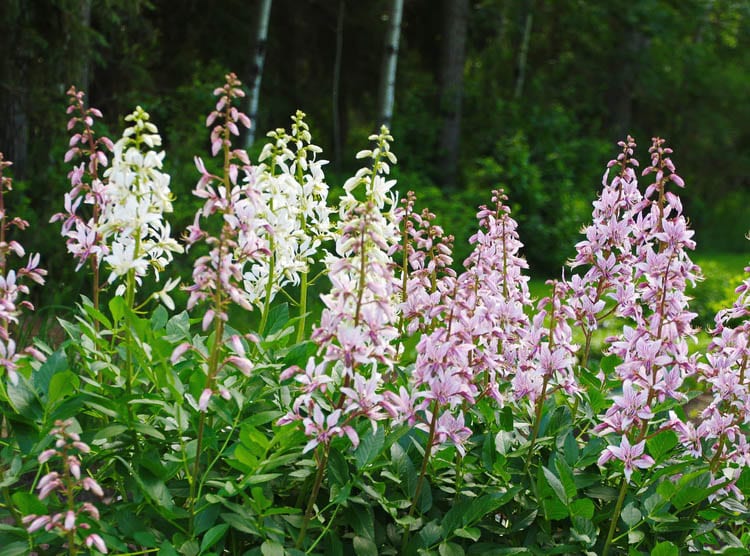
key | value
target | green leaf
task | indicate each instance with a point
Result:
(97, 315)
(506, 419)
(28, 503)
(117, 308)
(62, 385)
(102, 435)
(338, 469)
(450, 549)
(660, 444)
(364, 547)
(300, 353)
(15, 549)
(178, 327)
(272, 548)
(583, 507)
(240, 523)
(54, 364)
(471, 533)
(584, 531)
(278, 317)
(692, 488)
(148, 430)
(370, 445)
(565, 473)
(362, 521)
(608, 364)
(167, 550)
(12, 473)
(190, 548)
(22, 398)
(570, 449)
(556, 485)
(665, 549)
(554, 509)
(631, 515)
(213, 535)
(159, 318)
(486, 504)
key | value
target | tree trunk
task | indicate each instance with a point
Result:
(453, 58)
(78, 45)
(337, 86)
(261, 37)
(523, 52)
(14, 122)
(390, 60)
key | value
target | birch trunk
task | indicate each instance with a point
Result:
(390, 61)
(261, 37)
(453, 58)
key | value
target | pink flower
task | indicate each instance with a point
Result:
(97, 542)
(632, 456)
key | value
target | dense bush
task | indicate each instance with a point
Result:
(416, 410)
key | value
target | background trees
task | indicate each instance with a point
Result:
(528, 95)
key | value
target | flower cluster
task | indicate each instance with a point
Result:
(547, 352)
(13, 282)
(607, 286)
(82, 234)
(218, 276)
(358, 323)
(236, 207)
(75, 521)
(136, 198)
(653, 350)
(721, 436)
(473, 340)
(427, 279)
(293, 194)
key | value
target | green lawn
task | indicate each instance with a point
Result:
(723, 272)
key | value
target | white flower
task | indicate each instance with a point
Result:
(136, 199)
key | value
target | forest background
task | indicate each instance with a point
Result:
(529, 95)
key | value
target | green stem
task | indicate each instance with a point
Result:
(459, 475)
(615, 517)
(327, 528)
(537, 423)
(423, 470)
(304, 285)
(313, 496)
(213, 366)
(129, 300)
(269, 289)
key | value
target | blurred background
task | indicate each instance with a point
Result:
(528, 95)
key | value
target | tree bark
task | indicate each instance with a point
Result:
(14, 122)
(523, 52)
(337, 85)
(453, 59)
(390, 61)
(261, 38)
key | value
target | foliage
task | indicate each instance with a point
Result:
(594, 70)
(425, 410)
